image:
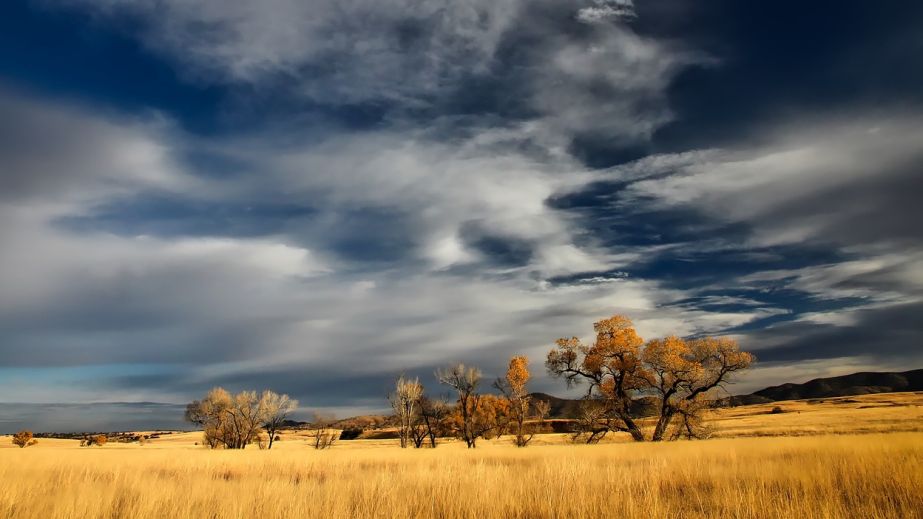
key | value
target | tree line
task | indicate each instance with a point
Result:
(676, 377)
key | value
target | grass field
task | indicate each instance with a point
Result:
(852, 457)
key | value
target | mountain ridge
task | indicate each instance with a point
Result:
(859, 383)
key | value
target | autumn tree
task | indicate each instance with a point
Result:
(493, 416)
(275, 410)
(464, 380)
(24, 439)
(611, 367)
(522, 414)
(619, 368)
(405, 401)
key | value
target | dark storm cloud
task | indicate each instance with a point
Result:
(893, 333)
(779, 60)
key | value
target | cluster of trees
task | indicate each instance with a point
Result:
(421, 419)
(677, 376)
(235, 421)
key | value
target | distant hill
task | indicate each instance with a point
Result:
(558, 407)
(863, 383)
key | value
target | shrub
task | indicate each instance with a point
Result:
(350, 434)
(776, 410)
(99, 439)
(24, 439)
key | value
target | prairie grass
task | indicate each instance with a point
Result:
(823, 470)
(871, 476)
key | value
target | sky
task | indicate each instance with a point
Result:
(315, 196)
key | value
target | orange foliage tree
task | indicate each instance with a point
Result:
(475, 415)
(513, 387)
(619, 368)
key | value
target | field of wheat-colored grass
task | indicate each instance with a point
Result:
(871, 467)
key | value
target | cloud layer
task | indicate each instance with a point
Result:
(384, 187)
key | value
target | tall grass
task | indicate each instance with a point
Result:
(869, 476)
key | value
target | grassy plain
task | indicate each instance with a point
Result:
(847, 457)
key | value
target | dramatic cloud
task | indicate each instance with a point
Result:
(321, 195)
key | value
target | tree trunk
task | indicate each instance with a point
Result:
(633, 428)
(663, 423)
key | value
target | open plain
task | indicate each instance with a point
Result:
(841, 457)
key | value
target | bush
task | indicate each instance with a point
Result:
(350, 434)
(99, 439)
(776, 410)
(24, 439)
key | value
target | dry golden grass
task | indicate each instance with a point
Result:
(878, 474)
(886, 412)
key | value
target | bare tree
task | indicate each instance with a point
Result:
(464, 380)
(593, 421)
(405, 401)
(231, 421)
(691, 423)
(320, 433)
(619, 368)
(276, 409)
(433, 415)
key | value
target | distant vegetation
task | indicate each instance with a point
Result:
(24, 439)
(673, 378)
(235, 421)
(98, 440)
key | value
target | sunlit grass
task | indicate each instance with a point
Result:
(825, 476)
